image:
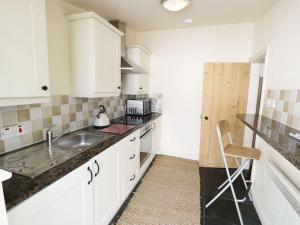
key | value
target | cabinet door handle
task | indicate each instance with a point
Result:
(141, 88)
(154, 125)
(206, 118)
(119, 88)
(44, 88)
(133, 139)
(132, 157)
(133, 177)
(91, 173)
(98, 168)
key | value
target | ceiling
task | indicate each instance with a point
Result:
(143, 15)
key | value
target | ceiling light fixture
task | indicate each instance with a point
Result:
(175, 5)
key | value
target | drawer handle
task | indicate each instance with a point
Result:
(133, 178)
(133, 139)
(132, 157)
(98, 168)
(91, 173)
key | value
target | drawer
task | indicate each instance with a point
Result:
(129, 154)
(129, 180)
(133, 140)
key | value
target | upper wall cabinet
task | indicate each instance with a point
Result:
(140, 56)
(24, 76)
(136, 84)
(95, 56)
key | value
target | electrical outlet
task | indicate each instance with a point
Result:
(20, 129)
(7, 133)
(10, 132)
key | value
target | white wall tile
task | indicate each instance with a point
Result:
(36, 113)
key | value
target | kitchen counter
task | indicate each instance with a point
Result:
(275, 134)
(19, 188)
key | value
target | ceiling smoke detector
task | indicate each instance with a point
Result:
(175, 5)
(188, 21)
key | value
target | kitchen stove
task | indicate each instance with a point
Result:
(129, 120)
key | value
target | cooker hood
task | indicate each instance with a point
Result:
(127, 66)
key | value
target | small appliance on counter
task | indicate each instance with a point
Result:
(101, 120)
(139, 107)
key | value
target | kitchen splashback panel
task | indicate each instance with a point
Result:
(283, 106)
(61, 112)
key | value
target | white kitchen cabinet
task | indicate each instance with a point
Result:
(67, 201)
(95, 56)
(129, 180)
(135, 84)
(129, 163)
(91, 194)
(156, 135)
(24, 55)
(107, 198)
(140, 56)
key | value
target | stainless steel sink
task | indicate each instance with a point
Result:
(81, 141)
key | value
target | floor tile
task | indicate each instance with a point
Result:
(223, 210)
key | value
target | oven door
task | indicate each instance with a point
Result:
(146, 146)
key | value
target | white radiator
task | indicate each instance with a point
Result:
(280, 198)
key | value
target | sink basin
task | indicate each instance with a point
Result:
(81, 141)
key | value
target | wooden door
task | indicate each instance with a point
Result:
(225, 94)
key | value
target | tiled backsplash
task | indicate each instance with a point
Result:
(60, 113)
(283, 106)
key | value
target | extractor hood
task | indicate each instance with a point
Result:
(127, 66)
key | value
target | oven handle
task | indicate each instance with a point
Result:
(146, 134)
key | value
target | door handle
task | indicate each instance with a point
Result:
(98, 168)
(91, 173)
(133, 177)
(133, 139)
(132, 157)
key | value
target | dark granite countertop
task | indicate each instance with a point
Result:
(18, 188)
(275, 134)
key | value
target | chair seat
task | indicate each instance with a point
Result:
(242, 152)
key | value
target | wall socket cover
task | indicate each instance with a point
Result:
(10, 132)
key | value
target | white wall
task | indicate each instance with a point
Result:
(279, 28)
(58, 45)
(178, 58)
(290, 171)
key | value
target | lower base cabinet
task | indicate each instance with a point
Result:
(90, 195)
(106, 185)
(129, 180)
(67, 201)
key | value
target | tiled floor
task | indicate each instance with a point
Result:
(223, 211)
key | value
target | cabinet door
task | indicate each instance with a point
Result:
(129, 180)
(144, 84)
(156, 136)
(67, 201)
(108, 60)
(106, 185)
(23, 44)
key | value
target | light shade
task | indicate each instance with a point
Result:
(175, 5)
